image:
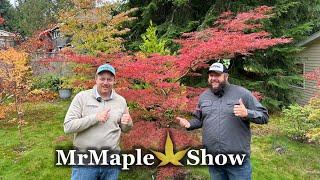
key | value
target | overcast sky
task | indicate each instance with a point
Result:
(12, 2)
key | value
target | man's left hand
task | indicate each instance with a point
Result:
(126, 118)
(240, 110)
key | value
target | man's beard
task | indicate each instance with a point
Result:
(220, 89)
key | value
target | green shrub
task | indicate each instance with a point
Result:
(302, 123)
(49, 81)
(314, 117)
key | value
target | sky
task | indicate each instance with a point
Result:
(12, 2)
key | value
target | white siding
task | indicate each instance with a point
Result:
(311, 57)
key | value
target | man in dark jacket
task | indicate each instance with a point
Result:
(224, 113)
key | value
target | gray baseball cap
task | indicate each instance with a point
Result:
(218, 67)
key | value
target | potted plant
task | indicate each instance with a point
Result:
(65, 88)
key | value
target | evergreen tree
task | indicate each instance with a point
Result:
(6, 12)
(151, 43)
(33, 15)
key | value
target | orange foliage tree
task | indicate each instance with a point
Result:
(15, 77)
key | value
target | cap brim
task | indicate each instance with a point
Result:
(105, 71)
(220, 72)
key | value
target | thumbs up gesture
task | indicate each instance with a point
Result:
(240, 110)
(126, 118)
(103, 115)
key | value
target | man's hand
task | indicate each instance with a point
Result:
(104, 115)
(183, 122)
(240, 110)
(126, 118)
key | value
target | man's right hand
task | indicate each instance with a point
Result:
(104, 115)
(183, 122)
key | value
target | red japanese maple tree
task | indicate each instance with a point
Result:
(152, 85)
(159, 95)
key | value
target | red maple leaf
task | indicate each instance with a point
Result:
(2, 21)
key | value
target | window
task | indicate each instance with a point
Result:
(55, 34)
(300, 69)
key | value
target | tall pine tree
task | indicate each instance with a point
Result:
(6, 12)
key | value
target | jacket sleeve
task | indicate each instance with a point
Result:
(74, 122)
(196, 121)
(256, 112)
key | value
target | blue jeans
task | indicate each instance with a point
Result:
(229, 172)
(95, 172)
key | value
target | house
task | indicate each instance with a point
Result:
(54, 36)
(7, 39)
(54, 42)
(309, 61)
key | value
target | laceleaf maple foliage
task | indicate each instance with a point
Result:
(231, 35)
(163, 95)
(155, 77)
(315, 76)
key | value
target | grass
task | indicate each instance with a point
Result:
(274, 156)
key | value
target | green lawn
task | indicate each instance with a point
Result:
(273, 155)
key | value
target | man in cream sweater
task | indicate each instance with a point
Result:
(97, 117)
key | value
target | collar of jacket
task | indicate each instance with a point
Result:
(98, 96)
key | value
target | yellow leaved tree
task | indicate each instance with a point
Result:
(94, 28)
(15, 82)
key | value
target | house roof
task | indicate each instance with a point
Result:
(311, 38)
(48, 31)
(6, 34)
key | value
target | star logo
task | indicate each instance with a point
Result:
(169, 156)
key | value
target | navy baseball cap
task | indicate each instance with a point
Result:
(218, 67)
(106, 67)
